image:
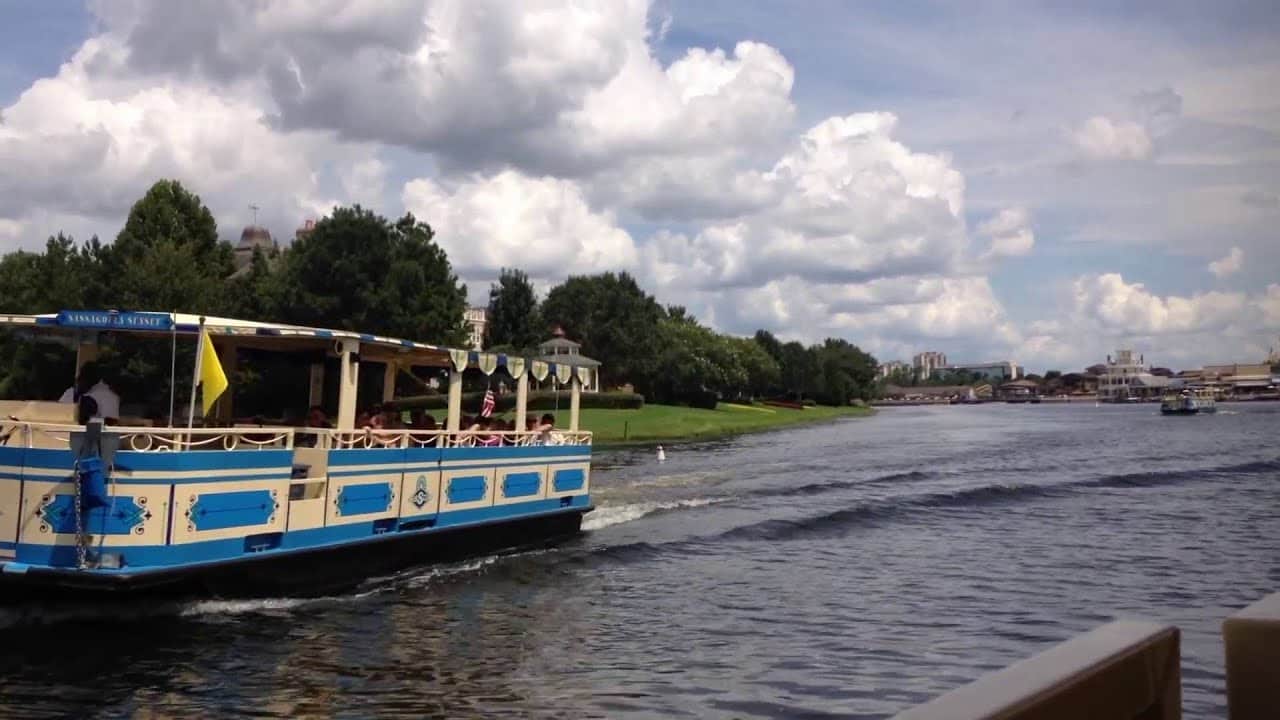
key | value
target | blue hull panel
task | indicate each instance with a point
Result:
(324, 561)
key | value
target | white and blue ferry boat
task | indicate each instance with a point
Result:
(220, 509)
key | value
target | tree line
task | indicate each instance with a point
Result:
(357, 270)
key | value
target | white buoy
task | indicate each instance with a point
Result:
(662, 455)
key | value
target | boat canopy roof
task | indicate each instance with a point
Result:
(260, 335)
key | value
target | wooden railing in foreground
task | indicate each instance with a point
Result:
(1252, 641)
(1124, 670)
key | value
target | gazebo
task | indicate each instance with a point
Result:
(563, 351)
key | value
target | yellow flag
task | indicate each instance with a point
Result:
(212, 380)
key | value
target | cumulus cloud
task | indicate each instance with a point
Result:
(1008, 234)
(1106, 139)
(852, 204)
(542, 225)
(91, 139)
(1116, 305)
(1229, 264)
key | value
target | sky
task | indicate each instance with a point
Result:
(1037, 182)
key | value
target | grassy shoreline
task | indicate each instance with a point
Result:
(669, 423)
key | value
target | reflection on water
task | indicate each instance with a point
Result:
(853, 568)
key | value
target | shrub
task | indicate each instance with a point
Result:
(704, 399)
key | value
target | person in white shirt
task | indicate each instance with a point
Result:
(90, 383)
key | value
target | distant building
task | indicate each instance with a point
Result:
(305, 230)
(1238, 380)
(253, 237)
(889, 368)
(1002, 370)
(926, 363)
(478, 319)
(1128, 377)
(1019, 390)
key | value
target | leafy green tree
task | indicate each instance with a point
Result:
(797, 366)
(615, 320)
(845, 372)
(64, 276)
(514, 320)
(168, 256)
(357, 271)
(762, 371)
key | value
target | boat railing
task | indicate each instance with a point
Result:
(19, 433)
(369, 438)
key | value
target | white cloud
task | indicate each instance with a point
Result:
(1103, 138)
(540, 225)
(1118, 306)
(91, 139)
(852, 204)
(1009, 234)
(1229, 264)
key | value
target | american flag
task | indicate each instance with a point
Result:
(487, 408)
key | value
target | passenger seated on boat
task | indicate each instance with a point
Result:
(545, 430)
(364, 420)
(423, 421)
(488, 436)
(89, 383)
(316, 418)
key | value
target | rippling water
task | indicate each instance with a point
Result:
(852, 569)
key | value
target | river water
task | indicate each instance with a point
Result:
(849, 570)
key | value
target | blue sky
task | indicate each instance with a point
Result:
(1034, 181)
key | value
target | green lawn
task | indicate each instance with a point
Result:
(667, 422)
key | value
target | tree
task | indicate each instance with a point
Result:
(844, 372)
(762, 371)
(797, 366)
(357, 271)
(1053, 375)
(514, 321)
(168, 256)
(63, 277)
(616, 322)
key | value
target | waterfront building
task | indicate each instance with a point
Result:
(927, 363)
(561, 350)
(1001, 370)
(477, 320)
(1019, 390)
(1238, 380)
(1128, 377)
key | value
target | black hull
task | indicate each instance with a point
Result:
(321, 571)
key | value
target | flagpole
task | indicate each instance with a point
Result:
(195, 376)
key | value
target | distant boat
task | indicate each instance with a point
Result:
(1188, 403)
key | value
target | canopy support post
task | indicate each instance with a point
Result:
(86, 350)
(522, 401)
(315, 391)
(575, 401)
(348, 384)
(389, 382)
(455, 401)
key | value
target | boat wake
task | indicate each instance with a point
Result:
(609, 515)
